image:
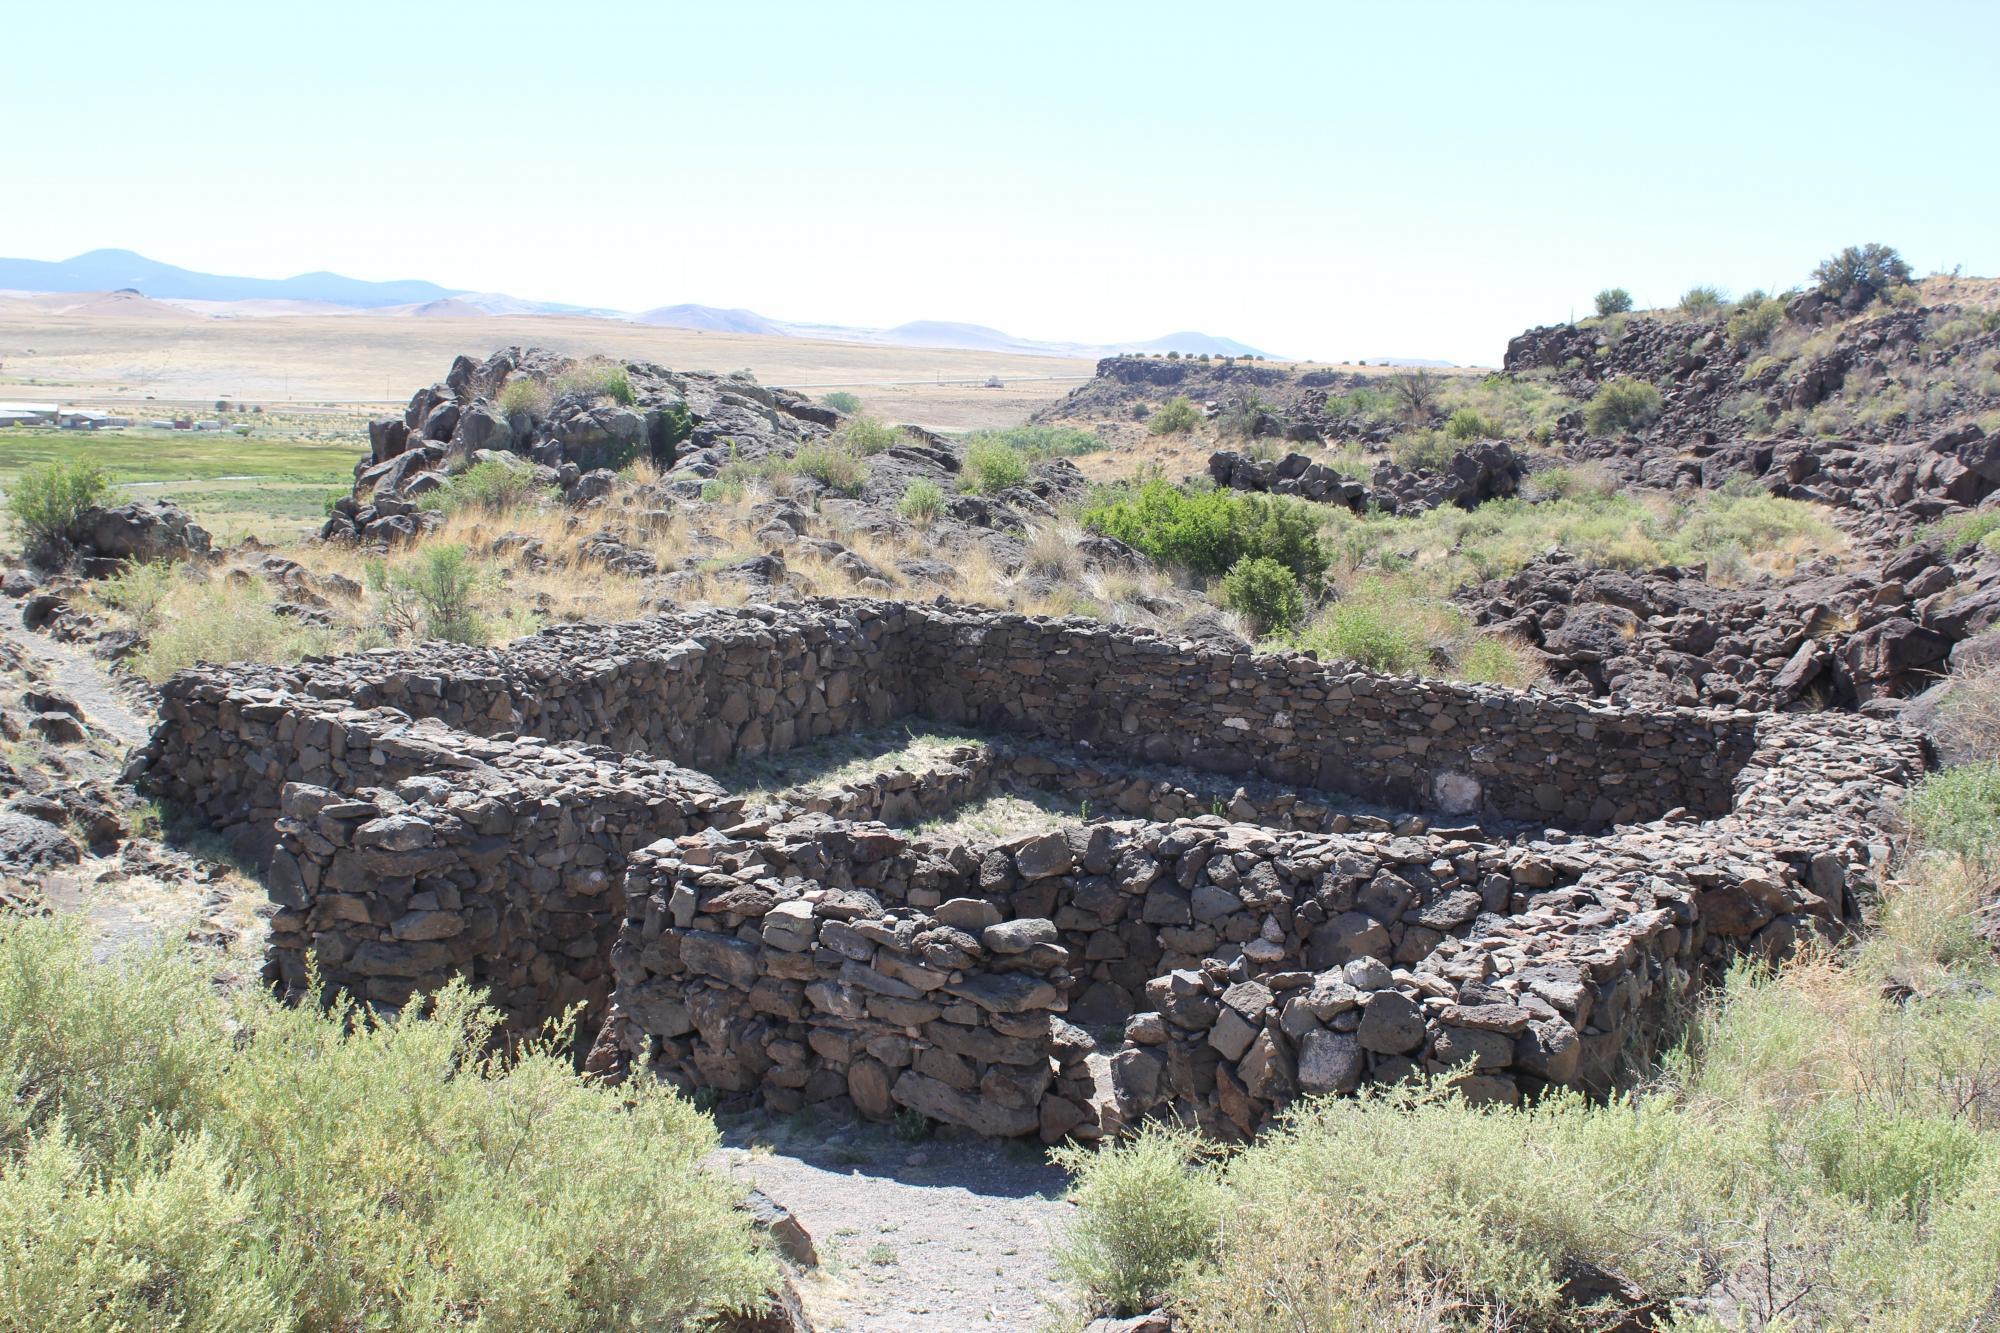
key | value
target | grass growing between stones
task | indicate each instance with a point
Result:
(839, 760)
(173, 1155)
(1822, 1151)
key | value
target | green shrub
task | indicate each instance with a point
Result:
(1208, 531)
(843, 402)
(834, 466)
(1958, 811)
(1415, 449)
(1369, 633)
(992, 465)
(1622, 405)
(922, 502)
(1861, 273)
(1466, 424)
(176, 1153)
(491, 487)
(46, 498)
(1753, 322)
(1700, 301)
(524, 393)
(1613, 301)
(597, 380)
(867, 437)
(1265, 593)
(434, 595)
(1148, 1210)
(1176, 416)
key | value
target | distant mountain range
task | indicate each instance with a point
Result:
(116, 270)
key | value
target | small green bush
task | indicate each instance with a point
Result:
(1958, 811)
(1264, 593)
(834, 466)
(45, 499)
(597, 380)
(1208, 531)
(1622, 405)
(524, 393)
(491, 487)
(1177, 416)
(1415, 449)
(1613, 301)
(867, 437)
(435, 595)
(1466, 424)
(843, 402)
(1369, 634)
(1148, 1213)
(1700, 301)
(992, 465)
(922, 502)
(1753, 322)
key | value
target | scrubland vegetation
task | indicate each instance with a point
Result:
(174, 1154)
(1820, 1151)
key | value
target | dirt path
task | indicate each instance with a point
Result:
(80, 676)
(930, 1237)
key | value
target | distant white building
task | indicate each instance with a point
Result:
(29, 413)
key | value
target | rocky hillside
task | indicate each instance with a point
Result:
(1882, 419)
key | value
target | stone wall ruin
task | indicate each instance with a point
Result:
(541, 819)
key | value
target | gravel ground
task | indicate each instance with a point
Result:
(933, 1236)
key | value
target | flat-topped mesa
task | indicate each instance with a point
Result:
(532, 817)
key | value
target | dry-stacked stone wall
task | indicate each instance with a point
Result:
(520, 817)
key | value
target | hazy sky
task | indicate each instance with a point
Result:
(1321, 180)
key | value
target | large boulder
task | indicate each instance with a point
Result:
(144, 531)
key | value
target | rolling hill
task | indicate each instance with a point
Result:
(113, 271)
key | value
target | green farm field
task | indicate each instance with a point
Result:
(270, 486)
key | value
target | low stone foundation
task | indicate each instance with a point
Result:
(533, 818)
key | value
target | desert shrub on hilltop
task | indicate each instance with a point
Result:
(1858, 275)
(174, 1154)
(1702, 301)
(45, 499)
(1177, 416)
(1622, 405)
(1613, 301)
